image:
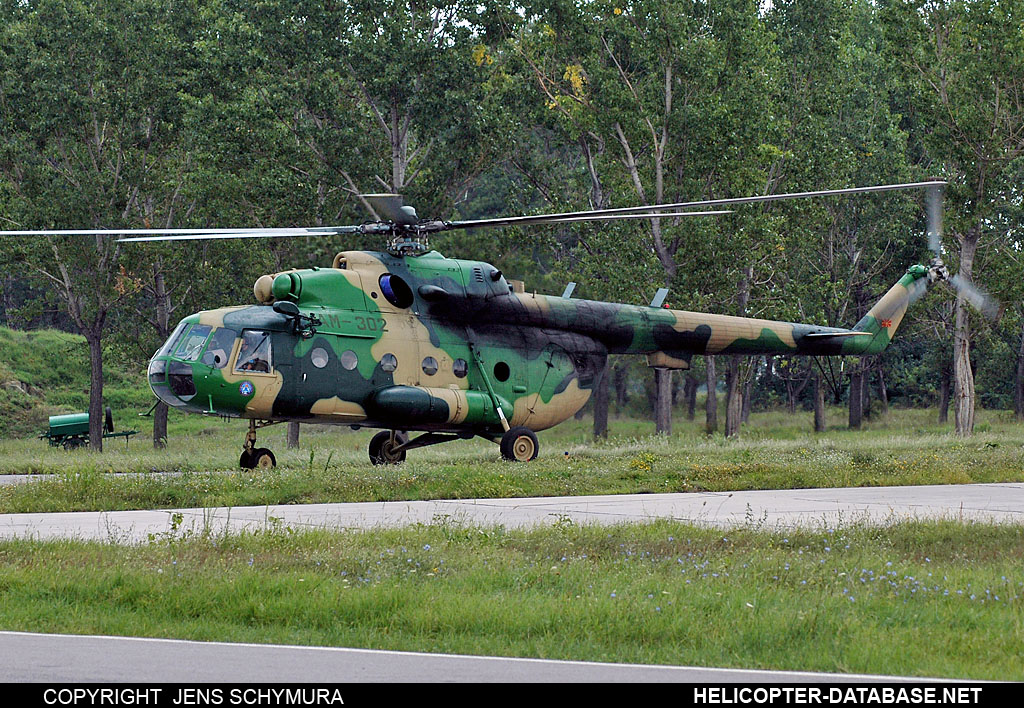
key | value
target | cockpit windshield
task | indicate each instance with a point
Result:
(255, 352)
(221, 343)
(172, 341)
(192, 343)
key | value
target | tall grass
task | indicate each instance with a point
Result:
(928, 599)
(331, 466)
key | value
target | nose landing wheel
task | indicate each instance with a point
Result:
(256, 457)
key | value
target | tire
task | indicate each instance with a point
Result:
(381, 449)
(263, 459)
(73, 443)
(260, 457)
(519, 444)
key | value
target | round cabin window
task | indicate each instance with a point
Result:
(319, 357)
(349, 360)
(396, 291)
(501, 371)
(389, 362)
(460, 368)
(430, 366)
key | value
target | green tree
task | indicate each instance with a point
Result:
(840, 131)
(90, 109)
(964, 60)
(668, 100)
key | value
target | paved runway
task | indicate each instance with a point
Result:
(1000, 503)
(63, 658)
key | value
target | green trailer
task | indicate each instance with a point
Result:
(72, 430)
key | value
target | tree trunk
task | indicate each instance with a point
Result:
(621, 386)
(163, 330)
(95, 390)
(945, 385)
(733, 397)
(293, 435)
(663, 401)
(819, 403)
(790, 396)
(865, 383)
(160, 426)
(963, 377)
(601, 403)
(748, 391)
(1018, 389)
(711, 404)
(883, 392)
(690, 394)
(856, 397)
(733, 402)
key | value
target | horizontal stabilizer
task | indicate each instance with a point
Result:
(826, 335)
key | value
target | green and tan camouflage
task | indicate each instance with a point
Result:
(408, 340)
(448, 347)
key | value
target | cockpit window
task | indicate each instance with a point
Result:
(220, 347)
(255, 352)
(192, 343)
(172, 341)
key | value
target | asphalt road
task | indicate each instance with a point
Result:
(62, 658)
(1001, 503)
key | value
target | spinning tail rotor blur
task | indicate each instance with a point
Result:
(984, 303)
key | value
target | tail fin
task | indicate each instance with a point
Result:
(885, 317)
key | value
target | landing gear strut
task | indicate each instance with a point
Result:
(388, 447)
(256, 457)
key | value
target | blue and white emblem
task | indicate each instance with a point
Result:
(245, 388)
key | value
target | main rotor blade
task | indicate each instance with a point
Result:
(585, 215)
(208, 235)
(393, 207)
(605, 217)
(118, 232)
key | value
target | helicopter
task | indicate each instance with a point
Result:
(407, 340)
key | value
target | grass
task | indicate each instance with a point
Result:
(46, 372)
(922, 598)
(775, 451)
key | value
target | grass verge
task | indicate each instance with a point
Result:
(774, 452)
(925, 598)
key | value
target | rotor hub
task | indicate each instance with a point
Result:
(405, 245)
(937, 270)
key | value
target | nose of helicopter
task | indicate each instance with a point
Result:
(181, 370)
(173, 382)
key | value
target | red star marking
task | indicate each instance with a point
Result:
(887, 323)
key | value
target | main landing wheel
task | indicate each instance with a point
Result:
(519, 445)
(382, 449)
(260, 458)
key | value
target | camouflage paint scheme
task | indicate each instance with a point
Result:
(536, 356)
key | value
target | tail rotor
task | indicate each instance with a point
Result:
(978, 298)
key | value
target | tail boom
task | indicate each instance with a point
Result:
(671, 337)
